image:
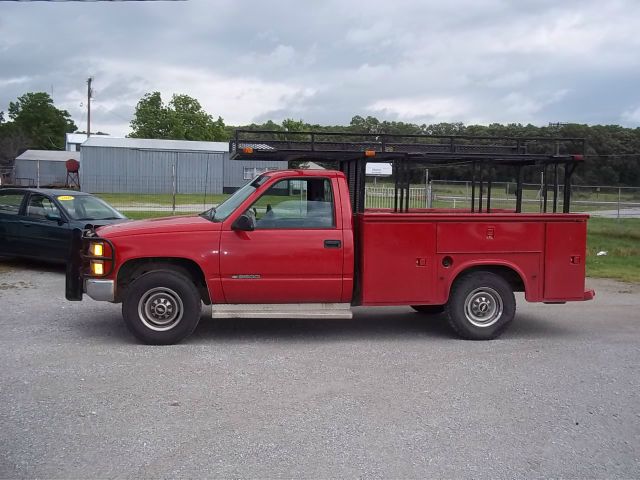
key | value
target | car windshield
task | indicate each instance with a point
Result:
(86, 207)
(226, 208)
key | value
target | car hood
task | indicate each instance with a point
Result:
(84, 224)
(190, 223)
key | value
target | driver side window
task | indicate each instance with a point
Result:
(293, 203)
(39, 207)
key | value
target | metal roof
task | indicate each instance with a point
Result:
(46, 191)
(76, 137)
(49, 155)
(156, 144)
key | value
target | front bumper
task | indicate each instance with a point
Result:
(101, 290)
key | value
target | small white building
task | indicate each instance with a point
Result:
(39, 168)
(73, 141)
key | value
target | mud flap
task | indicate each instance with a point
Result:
(73, 280)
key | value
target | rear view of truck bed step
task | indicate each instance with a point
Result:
(275, 310)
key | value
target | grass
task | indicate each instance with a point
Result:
(620, 238)
(144, 215)
(165, 199)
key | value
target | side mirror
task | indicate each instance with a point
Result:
(244, 223)
(54, 217)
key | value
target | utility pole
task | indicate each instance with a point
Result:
(89, 94)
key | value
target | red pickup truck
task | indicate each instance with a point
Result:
(289, 244)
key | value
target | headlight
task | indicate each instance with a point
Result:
(96, 249)
(99, 258)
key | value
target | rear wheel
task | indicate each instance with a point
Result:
(161, 307)
(481, 306)
(428, 309)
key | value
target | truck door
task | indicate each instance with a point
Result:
(295, 253)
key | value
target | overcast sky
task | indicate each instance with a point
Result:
(421, 61)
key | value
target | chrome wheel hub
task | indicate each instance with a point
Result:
(483, 307)
(160, 309)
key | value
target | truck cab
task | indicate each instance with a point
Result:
(300, 243)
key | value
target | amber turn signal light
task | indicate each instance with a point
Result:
(96, 249)
(97, 267)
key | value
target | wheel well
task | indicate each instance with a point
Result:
(509, 274)
(133, 269)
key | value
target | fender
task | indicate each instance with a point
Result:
(202, 249)
(448, 276)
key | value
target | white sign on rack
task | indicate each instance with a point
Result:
(379, 170)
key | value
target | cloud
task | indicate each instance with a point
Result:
(421, 109)
(632, 115)
(412, 60)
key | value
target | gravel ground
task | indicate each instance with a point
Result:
(388, 394)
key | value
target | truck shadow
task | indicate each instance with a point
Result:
(400, 325)
(527, 326)
(13, 263)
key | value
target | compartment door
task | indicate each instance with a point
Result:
(564, 266)
(398, 263)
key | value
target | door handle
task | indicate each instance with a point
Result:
(332, 243)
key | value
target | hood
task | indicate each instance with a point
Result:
(99, 223)
(191, 223)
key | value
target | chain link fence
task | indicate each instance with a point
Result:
(600, 200)
(7, 176)
(161, 195)
(156, 196)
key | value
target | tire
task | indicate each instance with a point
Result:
(162, 307)
(429, 309)
(481, 306)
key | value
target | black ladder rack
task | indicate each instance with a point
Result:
(353, 150)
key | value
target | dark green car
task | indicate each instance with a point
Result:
(37, 222)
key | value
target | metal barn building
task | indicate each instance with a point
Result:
(135, 165)
(43, 167)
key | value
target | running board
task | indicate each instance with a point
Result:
(283, 310)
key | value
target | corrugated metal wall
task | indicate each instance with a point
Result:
(51, 173)
(234, 170)
(124, 170)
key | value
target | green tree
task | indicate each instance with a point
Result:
(183, 118)
(151, 118)
(38, 119)
(291, 125)
(13, 142)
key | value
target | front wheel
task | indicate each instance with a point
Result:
(481, 306)
(161, 307)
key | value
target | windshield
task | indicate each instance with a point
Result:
(226, 208)
(86, 207)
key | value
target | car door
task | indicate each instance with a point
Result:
(10, 209)
(295, 253)
(45, 232)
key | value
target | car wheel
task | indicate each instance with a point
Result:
(481, 305)
(162, 307)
